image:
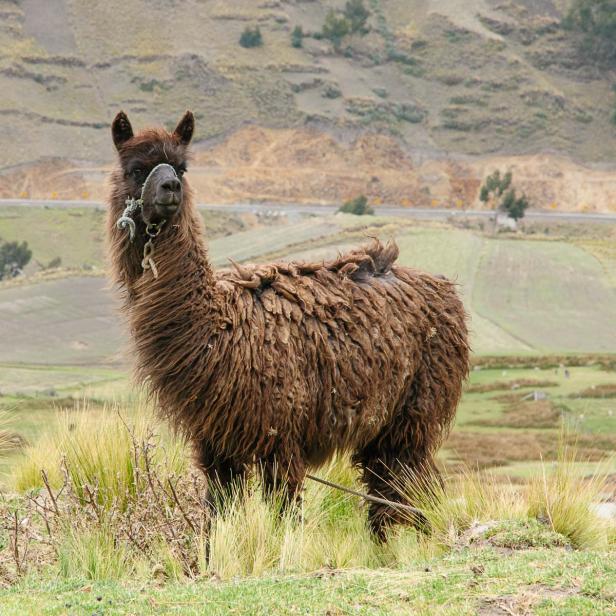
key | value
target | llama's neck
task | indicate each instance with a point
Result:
(170, 315)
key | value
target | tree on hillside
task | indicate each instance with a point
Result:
(13, 258)
(357, 15)
(597, 20)
(495, 186)
(498, 194)
(251, 37)
(335, 28)
(352, 20)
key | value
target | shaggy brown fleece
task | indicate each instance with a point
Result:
(284, 364)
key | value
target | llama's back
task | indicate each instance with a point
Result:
(340, 342)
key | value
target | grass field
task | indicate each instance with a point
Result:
(542, 313)
(545, 582)
(110, 542)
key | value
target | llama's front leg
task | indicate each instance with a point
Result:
(224, 477)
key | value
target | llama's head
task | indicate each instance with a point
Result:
(153, 163)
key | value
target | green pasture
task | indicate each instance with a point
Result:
(551, 582)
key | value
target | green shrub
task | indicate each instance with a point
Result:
(13, 258)
(297, 37)
(251, 37)
(332, 91)
(335, 28)
(596, 19)
(514, 206)
(353, 20)
(358, 206)
(524, 534)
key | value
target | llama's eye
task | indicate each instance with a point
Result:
(181, 170)
(137, 173)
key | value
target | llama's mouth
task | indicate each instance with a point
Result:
(166, 209)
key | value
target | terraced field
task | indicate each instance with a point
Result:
(524, 296)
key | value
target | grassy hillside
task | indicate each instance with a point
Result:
(444, 76)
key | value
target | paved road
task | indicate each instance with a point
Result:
(383, 210)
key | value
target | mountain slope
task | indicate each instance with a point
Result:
(449, 76)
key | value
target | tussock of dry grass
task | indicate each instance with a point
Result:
(565, 501)
(9, 438)
(118, 500)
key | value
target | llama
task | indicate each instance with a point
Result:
(281, 365)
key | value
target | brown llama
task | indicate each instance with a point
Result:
(281, 365)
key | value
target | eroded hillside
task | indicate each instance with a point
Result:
(450, 87)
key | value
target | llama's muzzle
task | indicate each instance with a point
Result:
(166, 192)
(161, 196)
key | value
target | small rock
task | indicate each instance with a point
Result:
(605, 511)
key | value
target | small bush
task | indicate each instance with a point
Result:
(331, 91)
(357, 15)
(297, 37)
(524, 534)
(251, 37)
(358, 206)
(596, 20)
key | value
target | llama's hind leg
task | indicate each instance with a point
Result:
(385, 472)
(405, 450)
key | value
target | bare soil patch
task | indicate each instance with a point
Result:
(503, 385)
(532, 414)
(607, 390)
(523, 604)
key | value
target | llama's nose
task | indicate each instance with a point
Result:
(172, 185)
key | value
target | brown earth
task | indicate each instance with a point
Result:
(540, 414)
(436, 95)
(491, 449)
(506, 385)
(310, 166)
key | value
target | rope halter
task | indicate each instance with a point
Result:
(152, 229)
(133, 205)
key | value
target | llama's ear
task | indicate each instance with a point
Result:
(185, 128)
(121, 129)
